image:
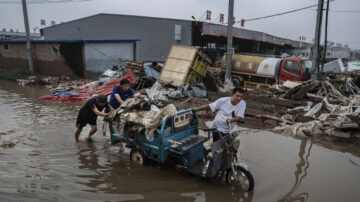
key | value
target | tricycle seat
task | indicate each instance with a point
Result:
(190, 142)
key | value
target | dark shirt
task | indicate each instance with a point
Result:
(123, 95)
(87, 110)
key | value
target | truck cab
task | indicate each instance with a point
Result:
(294, 69)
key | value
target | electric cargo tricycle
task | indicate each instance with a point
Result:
(178, 138)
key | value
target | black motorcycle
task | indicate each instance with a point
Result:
(223, 161)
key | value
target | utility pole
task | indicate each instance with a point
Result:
(316, 47)
(28, 38)
(325, 41)
(229, 41)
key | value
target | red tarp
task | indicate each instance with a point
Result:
(88, 90)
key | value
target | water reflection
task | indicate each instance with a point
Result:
(89, 161)
(155, 182)
(300, 174)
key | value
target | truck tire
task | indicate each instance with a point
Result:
(236, 82)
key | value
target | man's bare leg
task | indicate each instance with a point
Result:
(92, 132)
(77, 134)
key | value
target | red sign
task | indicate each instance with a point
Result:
(221, 30)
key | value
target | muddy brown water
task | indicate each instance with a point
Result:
(47, 165)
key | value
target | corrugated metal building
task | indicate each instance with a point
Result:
(156, 34)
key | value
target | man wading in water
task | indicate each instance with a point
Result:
(230, 110)
(88, 115)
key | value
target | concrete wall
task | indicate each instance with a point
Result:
(48, 58)
(14, 57)
(156, 34)
(101, 56)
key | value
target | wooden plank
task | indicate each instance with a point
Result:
(180, 64)
(168, 77)
(177, 66)
(178, 58)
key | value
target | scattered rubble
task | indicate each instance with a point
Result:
(332, 114)
(41, 80)
(145, 74)
(83, 92)
(114, 73)
(66, 85)
(140, 114)
(9, 140)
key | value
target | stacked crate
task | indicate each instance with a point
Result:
(184, 65)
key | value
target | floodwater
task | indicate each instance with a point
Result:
(47, 165)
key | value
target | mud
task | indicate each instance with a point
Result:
(47, 165)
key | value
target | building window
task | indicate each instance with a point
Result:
(6, 46)
(292, 67)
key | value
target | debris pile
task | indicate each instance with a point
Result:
(336, 120)
(88, 90)
(334, 114)
(308, 108)
(115, 72)
(66, 85)
(140, 114)
(145, 74)
(41, 80)
(212, 79)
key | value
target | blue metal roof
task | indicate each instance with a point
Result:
(72, 41)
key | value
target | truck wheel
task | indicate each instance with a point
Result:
(236, 82)
(138, 157)
(245, 182)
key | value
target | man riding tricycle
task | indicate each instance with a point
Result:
(178, 137)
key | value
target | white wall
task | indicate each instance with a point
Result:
(101, 56)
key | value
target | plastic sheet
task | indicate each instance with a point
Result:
(151, 73)
(155, 93)
(88, 90)
(198, 90)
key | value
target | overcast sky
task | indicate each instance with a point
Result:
(344, 27)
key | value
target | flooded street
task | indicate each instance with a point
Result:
(46, 164)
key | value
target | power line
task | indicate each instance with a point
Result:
(43, 1)
(344, 11)
(283, 13)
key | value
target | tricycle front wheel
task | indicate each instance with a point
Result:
(138, 157)
(245, 179)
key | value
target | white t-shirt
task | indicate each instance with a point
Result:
(225, 109)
